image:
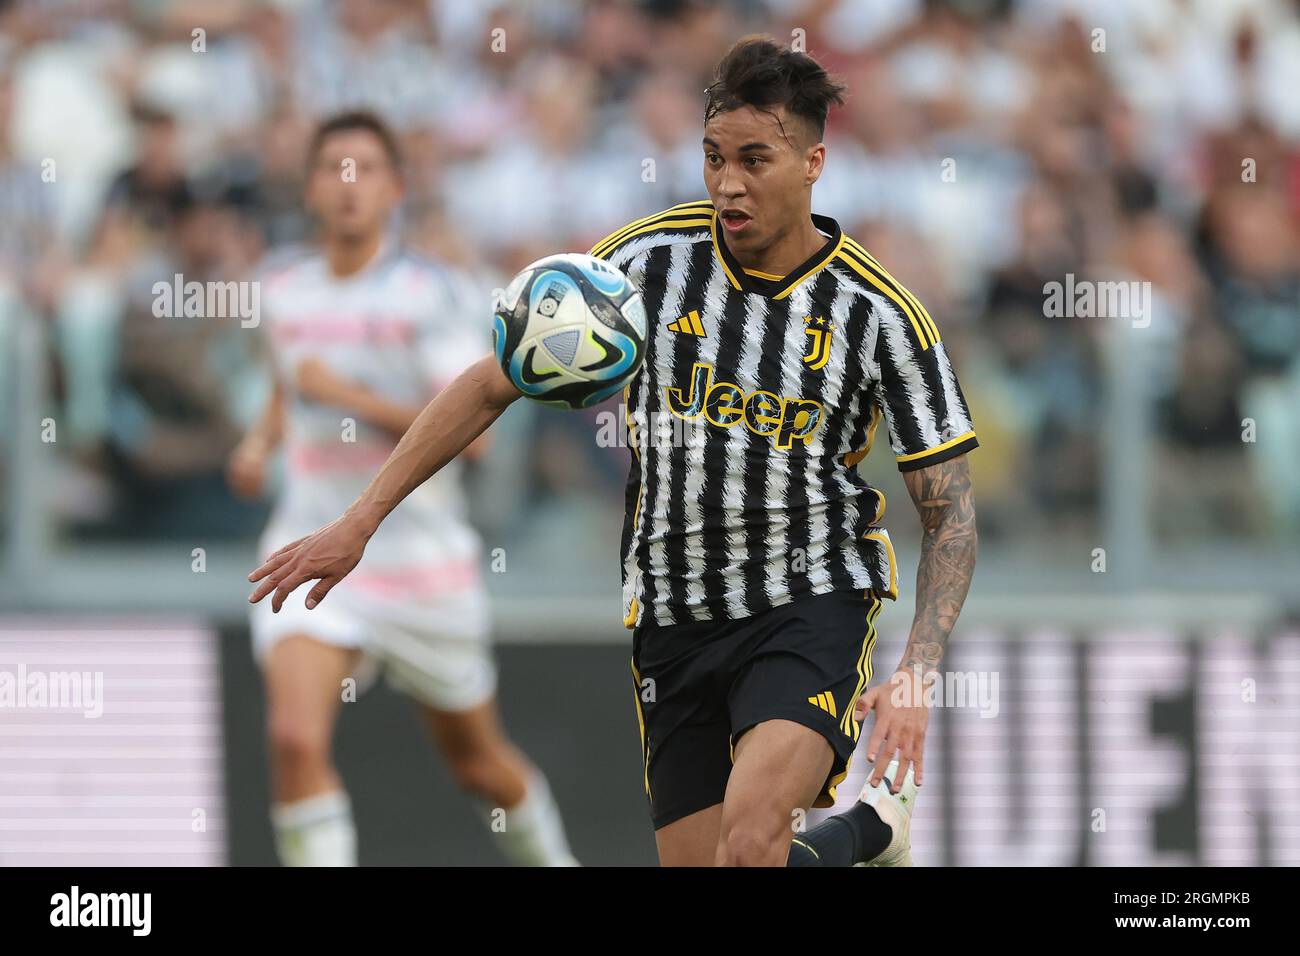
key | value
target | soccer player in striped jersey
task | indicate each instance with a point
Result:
(361, 332)
(754, 563)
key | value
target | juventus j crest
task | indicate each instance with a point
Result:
(819, 349)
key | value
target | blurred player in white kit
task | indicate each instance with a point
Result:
(362, 334)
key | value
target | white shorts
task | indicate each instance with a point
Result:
(439, 653)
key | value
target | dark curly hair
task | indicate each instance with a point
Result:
(759, 72)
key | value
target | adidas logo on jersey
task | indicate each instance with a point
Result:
(688, 324)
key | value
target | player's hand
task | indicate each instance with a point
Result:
(246, 467)
(902, 717)
(325, 556)
(316, 381)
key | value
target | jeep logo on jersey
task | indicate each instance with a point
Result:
(781, 418)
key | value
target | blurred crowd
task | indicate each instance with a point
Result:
(987, 148)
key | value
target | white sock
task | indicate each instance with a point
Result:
(317, 831)
(531, 832)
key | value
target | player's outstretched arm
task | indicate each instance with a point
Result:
(945, 500)
(454, 418)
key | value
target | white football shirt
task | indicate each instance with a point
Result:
(404, 327)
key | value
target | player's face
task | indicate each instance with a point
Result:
(352, 187)
(758, 176)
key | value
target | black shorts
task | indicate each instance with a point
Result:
(699, 686)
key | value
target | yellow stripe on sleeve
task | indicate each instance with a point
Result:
(863, 270)
(607, 244)
(924, 315)
(937, 448)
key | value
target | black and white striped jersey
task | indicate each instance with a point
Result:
(758, 397)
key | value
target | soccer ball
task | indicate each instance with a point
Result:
(569, 330)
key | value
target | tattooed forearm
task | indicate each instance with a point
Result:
(946, 502)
